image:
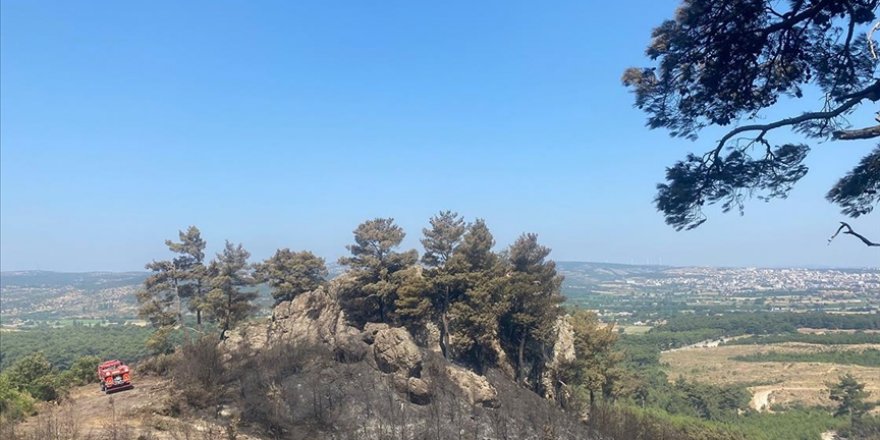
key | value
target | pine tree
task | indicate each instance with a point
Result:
(291, 273)
(228, 302)
(371, 295)
(190, 265)
(172, 283)
(850, 394)
(430, 298)
(532, 296)
(596, 364)
(474, 310)
(446, 232)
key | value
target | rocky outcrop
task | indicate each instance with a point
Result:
(317, 318)
(395, 351)
(252, 336)
(476, 388)
(563, 351)
(312, 317)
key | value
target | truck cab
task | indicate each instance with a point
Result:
(114, 376)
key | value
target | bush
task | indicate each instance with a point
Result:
(14, 404)
(198, 372)
(82, 372)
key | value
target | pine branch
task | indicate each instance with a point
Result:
(862, 133)
(871, 92)
(849, 230)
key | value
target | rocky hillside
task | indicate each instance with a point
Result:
(385, 382)
(307, 373)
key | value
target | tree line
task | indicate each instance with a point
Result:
(488, 307)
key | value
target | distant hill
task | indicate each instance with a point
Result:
(44, 295)
(80, 280)
(47, 295)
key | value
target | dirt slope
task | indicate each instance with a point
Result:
(140, 412)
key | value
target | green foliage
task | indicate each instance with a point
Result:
(710, 68)
(733, 324)
(14, 403)
(810, 338)
(229, 300)
(850, 395)
(161, 341)
(867, 358)
(371, 294)
(441, 240)
(35, 375)
(173, 282)
(596, 365)
(867, 427)
(474, 275)
(791, 424)
(82, 371)
(646, 384)
(291, 273)
(62, 346)
(531, 296)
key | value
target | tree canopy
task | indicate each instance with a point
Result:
(724, 63)
(291, 273)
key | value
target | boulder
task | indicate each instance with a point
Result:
(251, 336)
(476, 388)
(312, 317)
(395, 351)
(350, 350)
(419, 391)
(370, 330)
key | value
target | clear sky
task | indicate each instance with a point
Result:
(285, 124)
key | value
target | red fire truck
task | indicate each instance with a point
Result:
(114, 376)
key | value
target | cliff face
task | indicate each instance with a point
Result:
(391, 380)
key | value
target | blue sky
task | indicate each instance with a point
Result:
(285, 124)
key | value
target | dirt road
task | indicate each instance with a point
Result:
(761, 400)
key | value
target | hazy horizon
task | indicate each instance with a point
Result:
(288, 125)
(635, 264)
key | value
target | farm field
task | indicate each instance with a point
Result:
(780, 384)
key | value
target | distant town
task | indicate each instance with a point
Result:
(623, 293)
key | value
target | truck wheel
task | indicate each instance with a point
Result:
(103, 388)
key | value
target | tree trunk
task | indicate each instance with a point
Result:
(520, 358)
(198, 303)
(444, 335)
(186, 336)
(444, 326)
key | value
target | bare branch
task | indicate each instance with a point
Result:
(871, 92)
(862, 133)
(871, 39)
(850, 231)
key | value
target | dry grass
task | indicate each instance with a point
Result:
(635, 329)
(788, 383)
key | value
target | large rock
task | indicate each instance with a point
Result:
(563, 352)
(432, 338)
(419, 391)
(395, 351)
(476, 388)
(251, 336)
(312, 317)
(370, 330)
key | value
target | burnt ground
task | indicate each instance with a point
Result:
(141, 412)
